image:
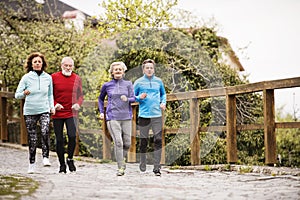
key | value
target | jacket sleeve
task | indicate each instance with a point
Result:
(50, 94)
(79, 91)
(136, 91)
(131, 98)
(19, 94)
(163, 95)
(101, 99)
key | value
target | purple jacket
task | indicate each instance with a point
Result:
(117, 109)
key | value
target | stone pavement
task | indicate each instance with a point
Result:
(99, 181)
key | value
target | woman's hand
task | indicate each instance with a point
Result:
(26, 92)
(143, 95)
(101, 116)
(52, 111)
(123, 98)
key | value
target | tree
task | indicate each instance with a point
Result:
(124, 15)
(21, 36)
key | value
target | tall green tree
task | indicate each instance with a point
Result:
(124, 15)
(23, 33)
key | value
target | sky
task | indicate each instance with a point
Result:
(270, 29)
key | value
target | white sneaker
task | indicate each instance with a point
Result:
(31, 168)
(46, 162)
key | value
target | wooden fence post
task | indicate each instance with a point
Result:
(194, 136)
(163, 141)
(23, 131)
(4, 135)
(131, 155)
(269, 128)
(231, 129)
(106, 139)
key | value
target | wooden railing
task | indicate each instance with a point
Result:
(266, 87)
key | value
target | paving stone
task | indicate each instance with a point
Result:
(99, 181)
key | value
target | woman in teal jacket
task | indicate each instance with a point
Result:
(36, 87)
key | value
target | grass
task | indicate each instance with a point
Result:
(15, 186)
(245, 169)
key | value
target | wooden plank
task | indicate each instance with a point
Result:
(212, 129)
(90, 104)
(269, 131)
(76, 151)
(260, 86)
(238, 89)
(249, 127)
(90, 131)
(282, 83)
(4, 134)
(23, 131)
(163, 141)
(8, 95)
(242, 127)
(182, 95)
(287, 125)
(106, 139)
(213, 92)
(231, 129)
(194, 136)
(177, 130)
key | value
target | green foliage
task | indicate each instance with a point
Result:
(288, 142)
(207, 168)
(46, 35)
(177, 149)
(212, 149)
(251, 147)
(245, 169)
(124, 15)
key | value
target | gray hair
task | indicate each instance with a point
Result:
(67, 58)
(117, 64)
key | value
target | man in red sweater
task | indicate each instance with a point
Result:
(68, 97)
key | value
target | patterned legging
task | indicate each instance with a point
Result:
(31, 125)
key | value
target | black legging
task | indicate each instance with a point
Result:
(31, 125)
(58, 125)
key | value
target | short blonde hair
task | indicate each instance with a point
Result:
(148, 61)
(117, 64)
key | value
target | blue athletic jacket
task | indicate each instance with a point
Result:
(116, 108)
(156, 94)
(40, 99)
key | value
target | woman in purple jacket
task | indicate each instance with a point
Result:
(120, 95)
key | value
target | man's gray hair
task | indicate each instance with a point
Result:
(67, 58)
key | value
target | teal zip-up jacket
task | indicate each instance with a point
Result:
(156, 94)
(40, 100)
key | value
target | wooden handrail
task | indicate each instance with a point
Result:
(230, 93)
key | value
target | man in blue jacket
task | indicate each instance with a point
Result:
(150, 93)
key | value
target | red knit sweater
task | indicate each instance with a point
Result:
(67, 90)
